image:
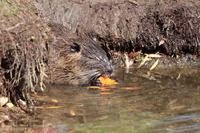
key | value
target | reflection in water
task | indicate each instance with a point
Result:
(166, 101)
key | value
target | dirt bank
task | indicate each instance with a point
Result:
(169, 26)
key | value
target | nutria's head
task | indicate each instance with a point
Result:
(85, 62)
(77, 60)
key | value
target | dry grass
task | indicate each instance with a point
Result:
(23, 37)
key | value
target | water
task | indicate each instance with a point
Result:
(164, 100)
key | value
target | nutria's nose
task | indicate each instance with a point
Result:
(109, 69)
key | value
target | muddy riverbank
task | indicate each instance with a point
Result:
(169, 27)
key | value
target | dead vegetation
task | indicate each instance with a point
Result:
(23, 51)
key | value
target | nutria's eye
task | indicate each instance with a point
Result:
(75, 48)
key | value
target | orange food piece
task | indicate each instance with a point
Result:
(107, 81)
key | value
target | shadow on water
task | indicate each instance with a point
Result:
(161, 101)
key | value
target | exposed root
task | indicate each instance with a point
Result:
(23, 52)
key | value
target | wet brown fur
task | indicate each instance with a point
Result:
(79, 67)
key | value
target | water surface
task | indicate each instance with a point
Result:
(163, 100)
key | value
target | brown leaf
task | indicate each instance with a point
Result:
(106, 93)
(93, 87)
(34, 95)
(72, 113)
(133, 54)
(104, 89)
(71, 131)
(52, 107)
(130, 88)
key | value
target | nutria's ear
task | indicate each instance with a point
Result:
(75, 48)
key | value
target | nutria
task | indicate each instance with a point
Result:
(76, 60)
